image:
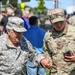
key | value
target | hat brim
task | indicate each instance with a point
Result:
(58, 19)
(19, 29)
(16, 29)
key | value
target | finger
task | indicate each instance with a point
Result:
(48, 66)
(70, 57)
(67, 60)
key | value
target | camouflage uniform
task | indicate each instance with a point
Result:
(13, 59)
(57, 44)
(71, 20)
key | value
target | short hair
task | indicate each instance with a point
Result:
(18, 13)
(33, 20)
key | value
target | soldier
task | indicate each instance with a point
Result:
(71, 20)
(15, 50)
(59, 42)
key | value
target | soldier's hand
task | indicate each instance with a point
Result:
(70, 58)
(46, 63)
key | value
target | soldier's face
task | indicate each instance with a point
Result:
(59, 25)
(14, 36)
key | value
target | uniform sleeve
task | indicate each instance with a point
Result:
(46, 46)
(44, 43)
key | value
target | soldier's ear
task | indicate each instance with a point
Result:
(8, 31)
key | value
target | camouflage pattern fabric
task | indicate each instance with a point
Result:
(57, 44)
(56, 15)
(13, 59)
(71, 20)
(16, 24)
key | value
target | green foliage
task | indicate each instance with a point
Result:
(41, 3)
(41, 6)
(5, 6)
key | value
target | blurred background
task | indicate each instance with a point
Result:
(40, 8)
